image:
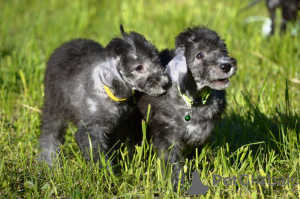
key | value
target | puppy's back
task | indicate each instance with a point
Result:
(65, 72)
(72, 56)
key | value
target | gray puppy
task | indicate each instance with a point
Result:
(92, 87)
(184, 118)
(289, 11)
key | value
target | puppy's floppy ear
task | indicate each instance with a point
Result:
(109, 72)
(178, 70)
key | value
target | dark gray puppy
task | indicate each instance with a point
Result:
(184, 118)
(289, 11)
(92, 87)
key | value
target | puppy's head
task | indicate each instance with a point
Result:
(208, 63)
(138, 65)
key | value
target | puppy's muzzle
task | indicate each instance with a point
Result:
(164, 81)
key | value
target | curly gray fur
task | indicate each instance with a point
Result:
(74, 91)
(199, 60)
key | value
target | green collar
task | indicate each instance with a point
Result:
(204, 93)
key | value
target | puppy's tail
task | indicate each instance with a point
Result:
(122, 30)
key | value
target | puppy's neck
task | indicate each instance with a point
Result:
(121, 90)
(192, 98)
(118, 90)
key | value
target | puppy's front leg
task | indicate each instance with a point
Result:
(93, 138)
(172, 158)
(272, 9)
(52, 136)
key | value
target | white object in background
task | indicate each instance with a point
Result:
(266, 28)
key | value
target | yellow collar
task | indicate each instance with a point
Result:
(205, 93)
(109, 93)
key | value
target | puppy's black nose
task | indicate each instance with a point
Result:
(225, 67)
(165, 85)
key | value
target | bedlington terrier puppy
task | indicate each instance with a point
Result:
(92, 87)
(184, 118)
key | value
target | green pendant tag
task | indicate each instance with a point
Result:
(187, 118)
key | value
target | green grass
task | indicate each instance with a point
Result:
(258, 134)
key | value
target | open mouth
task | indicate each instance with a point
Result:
(220, 84)
(221, 81)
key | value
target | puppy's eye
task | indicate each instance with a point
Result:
(138, 68)
(200, 55)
